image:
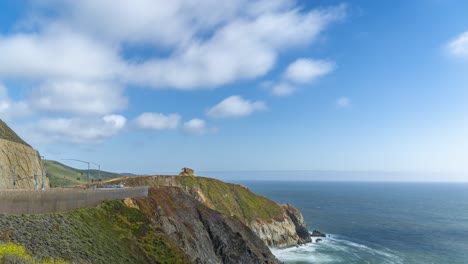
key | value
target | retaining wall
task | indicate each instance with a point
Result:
(60, 200)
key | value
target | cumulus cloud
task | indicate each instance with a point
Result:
(308, 70)
(79, 61)
(195, 127)
(57, 54)
(301, 71)
(241, 49)
(210, 43)
(282, 89)
(80, 130)
(343, 102)
(78, 98)
(235, 106)
(459, 46)
(158, 121)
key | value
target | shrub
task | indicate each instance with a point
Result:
(13, 253)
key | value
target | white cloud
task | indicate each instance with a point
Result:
(57, 54)
(10, 109)
(158, 121)
(78, 98)
(79, 61)
(282, 89)
(241, 49)
(308, 70)
(459, 46)
(210, 43)
(235, 106)
(343, 102)
(195, 127)
(79, 130)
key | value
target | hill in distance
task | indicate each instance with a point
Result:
(61, 175)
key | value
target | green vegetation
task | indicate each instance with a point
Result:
(233, 199)
(61, 175)
(229, 199)
(108, 233)
(7, 133)
(9, 250)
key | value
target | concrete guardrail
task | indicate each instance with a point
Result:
(60, 200)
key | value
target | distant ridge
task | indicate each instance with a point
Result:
(61, 175)
(8, 134)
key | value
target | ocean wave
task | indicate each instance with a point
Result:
(336, 249)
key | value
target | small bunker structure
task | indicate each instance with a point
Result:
(187, 172)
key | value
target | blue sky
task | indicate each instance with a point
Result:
(152, 86)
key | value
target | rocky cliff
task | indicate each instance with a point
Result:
(277, 225)
(168, 226)
(184, 219)
(20, 165)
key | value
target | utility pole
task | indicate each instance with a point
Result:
(99, 169)
(88, 163)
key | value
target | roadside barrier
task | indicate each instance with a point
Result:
(60, 200)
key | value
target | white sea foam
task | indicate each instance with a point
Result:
(303, 254)
(335, 249)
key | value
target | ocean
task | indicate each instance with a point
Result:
(376, 222)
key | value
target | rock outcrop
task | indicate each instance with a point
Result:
(20, 165)
(205, 235)
(276, 225)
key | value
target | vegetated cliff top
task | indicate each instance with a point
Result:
(229, 199)
(277, 225)
(8, 134)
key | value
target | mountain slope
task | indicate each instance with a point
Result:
(8, 134)
(61, 175)
(20, 164)
(277, 225)
(169, 226)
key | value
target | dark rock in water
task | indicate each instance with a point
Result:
(318, 240)
(316, 233)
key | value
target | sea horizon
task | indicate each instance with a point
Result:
(375, 222)
(337, 176)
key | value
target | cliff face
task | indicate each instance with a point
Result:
(277, 225)
(168, 226)
(20, 165)
(205, 235)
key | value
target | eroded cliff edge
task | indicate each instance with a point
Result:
(277, 225)
(168, 226)
(20, 165)
(184, 219)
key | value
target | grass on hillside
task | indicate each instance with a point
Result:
(229, 199)
(108, 233)
(61, 175)
(7, 133)
(233, 199)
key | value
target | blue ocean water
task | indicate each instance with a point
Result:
(377, 222)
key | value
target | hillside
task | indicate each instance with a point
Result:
(61, 175)
(277, 225)
(20, 164)
(8, 134)
(169, 226)
(184, 219)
